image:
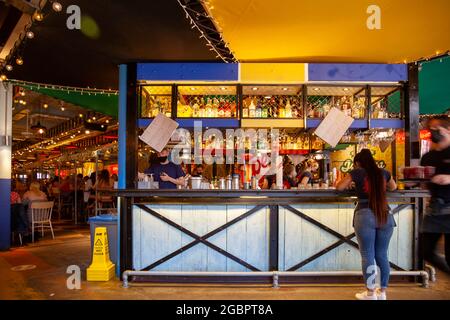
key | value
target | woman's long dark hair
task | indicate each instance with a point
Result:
(376, 185)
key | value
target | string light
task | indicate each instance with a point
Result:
(56, 6)
(79, 90)
(19, 61)
(9, 67)
(30, 34)
(3, 77)
(210, 41)
(38, 16)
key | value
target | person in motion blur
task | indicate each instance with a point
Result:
(436, 221)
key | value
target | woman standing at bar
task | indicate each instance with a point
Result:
(372, 222)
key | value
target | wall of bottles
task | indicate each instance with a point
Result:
(155, 100)
(207, 102)
(281, 102)
(350, 100)
(270, 101)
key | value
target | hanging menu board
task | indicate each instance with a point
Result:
(334, 126)
(159, 132)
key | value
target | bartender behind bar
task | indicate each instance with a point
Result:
(166, 173)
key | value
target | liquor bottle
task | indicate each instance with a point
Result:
(252, 110)
(310, 110)
(202, 112)
(376, 111)
(346, 107)
(168, 108)
(209, 109)
(195, 108)
(281, 110)
(362, 108)
(319, 111)
(338, 104)
(288, 109)
(221, 108)
(326, 109)
(356, 111)
(245, 110)
(227, 109)
(232, 106)
(265, 110)
(258, 112)
(215, 108)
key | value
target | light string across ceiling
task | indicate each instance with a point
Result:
(198, 18)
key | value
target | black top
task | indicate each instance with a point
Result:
(305, 174)
(359, 177)
(171, 169)
(441, 161)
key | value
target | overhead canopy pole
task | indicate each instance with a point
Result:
(6, 99)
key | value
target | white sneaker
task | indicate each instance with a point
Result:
(365, 296)
(381, 295)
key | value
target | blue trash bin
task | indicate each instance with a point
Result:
(109, 221)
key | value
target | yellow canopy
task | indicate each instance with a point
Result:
(332, 30)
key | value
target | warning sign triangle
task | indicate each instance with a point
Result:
(98, 242)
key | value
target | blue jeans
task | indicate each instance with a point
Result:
(373, 245)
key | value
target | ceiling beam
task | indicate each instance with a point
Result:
(27, 7)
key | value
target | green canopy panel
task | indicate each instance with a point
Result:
(434, 86)
(106, 103)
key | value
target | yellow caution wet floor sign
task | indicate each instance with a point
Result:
(101, 269)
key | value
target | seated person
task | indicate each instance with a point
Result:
(34, 194)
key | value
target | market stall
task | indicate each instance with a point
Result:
(220, 230)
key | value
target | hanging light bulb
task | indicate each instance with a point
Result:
(19, 61)
(56, 6)
(3, 77)
(9, 67)
(38, 16)
(30, 34)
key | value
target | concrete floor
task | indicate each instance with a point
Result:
(50, 259)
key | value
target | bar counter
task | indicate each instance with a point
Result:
(256, 230)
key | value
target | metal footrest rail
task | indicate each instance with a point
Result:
(274, 274)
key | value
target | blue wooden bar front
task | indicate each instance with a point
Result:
(308, 230)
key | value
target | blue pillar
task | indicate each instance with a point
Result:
(122, 126)
(122, 153)
(6, 97)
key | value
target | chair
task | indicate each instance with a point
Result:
(41, 216)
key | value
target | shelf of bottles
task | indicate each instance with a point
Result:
(386, 103)
(207, 102)
(289, 142)
(300, 143)
(155, 100)
(349, 99)
(274, 102)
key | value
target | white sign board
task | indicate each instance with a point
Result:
(334, 126)
(159, 131)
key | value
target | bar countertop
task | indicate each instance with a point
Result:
(215, 194)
